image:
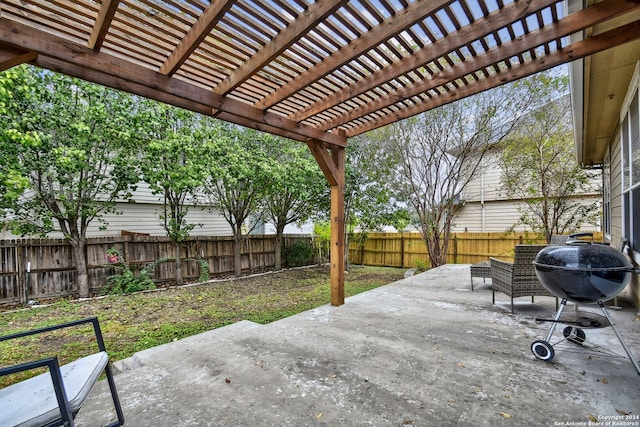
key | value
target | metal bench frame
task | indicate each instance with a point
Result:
(67, 413)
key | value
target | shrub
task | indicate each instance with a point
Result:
(124, 281)
(421, 266)
(298, 253)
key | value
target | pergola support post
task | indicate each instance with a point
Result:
(332, 162)
(337, 231)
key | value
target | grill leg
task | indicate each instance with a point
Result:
(563, 304)
(624, 345)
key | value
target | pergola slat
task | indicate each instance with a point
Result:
(196, 34)
(581, 49)
(382, 32)
(571, 24)
(437, 49)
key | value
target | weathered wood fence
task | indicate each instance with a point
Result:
(407, 249)
(44, 268)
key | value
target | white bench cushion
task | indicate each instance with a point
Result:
(33, 402)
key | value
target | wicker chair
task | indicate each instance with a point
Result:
(559, 239)
(518, 279)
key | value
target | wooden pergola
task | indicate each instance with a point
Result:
(318, 72)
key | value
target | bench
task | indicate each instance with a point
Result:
(54, 397)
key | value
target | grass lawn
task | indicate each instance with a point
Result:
(131, 323)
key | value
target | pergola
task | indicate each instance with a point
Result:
(318, 72)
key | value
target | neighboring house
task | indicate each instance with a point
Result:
(269, 228)
(606, 112)
(485, 207)
(142, 216)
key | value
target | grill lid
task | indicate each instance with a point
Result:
(583, 256)
(583, 272)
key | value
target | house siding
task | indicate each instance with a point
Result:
(615, 152)
(486, 186)
(616, 188)
(499, 216)
(487, 208)
(142, 216)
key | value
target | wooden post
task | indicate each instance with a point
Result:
(21, 267)
(336, 254)
(331, 160)
(455, 249)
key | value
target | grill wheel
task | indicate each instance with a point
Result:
(542, 350)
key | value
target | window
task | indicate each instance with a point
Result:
(630, 144)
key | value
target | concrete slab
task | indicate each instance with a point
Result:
(423, 351)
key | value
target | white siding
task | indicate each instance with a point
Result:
(486, 185)
(486, 206)
(306, 228)
(143, 218)
(499, 216)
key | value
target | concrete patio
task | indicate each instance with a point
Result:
(423, 351)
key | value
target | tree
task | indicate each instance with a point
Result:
(296, 189)
(438, 152)
(68, 140)
(236, 185)
(539, 167)
(369, 198)
(174, 162)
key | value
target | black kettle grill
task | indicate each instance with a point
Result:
(582, 272)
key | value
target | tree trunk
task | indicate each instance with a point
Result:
(278, 246)
(237, 257)
(82, 277)
(177, 250)
(278, 252)
(237, 251)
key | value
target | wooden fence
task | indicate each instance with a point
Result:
(35, 269)
(407, 249)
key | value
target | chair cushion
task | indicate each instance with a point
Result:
(33, 402)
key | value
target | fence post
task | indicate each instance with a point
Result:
(21, 262)
(402, 250)
(455, 248)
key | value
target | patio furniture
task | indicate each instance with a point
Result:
(558, 239)
(518, 279)
(53, 398)
(481, 269)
